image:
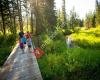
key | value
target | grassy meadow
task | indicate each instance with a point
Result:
(88, 38)
(79, 63)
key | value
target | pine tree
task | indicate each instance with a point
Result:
(74, 20)
(64, 12)
(44, 15)
(49, 14)
(97, 12)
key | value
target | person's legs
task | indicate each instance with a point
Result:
(22, 48)
(29, 47)
(24, 44)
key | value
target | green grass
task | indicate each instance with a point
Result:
(88, 38)
(62, 63)
(6, 45)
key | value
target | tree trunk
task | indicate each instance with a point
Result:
(20, 15)
(27, 14)
(2, 15)
(31, 22)
(10, 16)
(14, 20)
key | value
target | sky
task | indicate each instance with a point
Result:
(82, 7)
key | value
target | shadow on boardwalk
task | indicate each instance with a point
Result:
(21, 66)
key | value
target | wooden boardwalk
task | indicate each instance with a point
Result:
(21, 66)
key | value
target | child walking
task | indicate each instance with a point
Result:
(29, 43)
(21, 45)
(22, 42)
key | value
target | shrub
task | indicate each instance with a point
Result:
(6, 44)
(68, 32)
(4, 53)
(72, 64)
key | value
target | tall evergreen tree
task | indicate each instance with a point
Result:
(2, 11)
(49, 14)
(8, 13)
(94, 20)
(64, 11)
(74, 20)
(90, 20)
(19, 4)
(97, 12)
(44, 14)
